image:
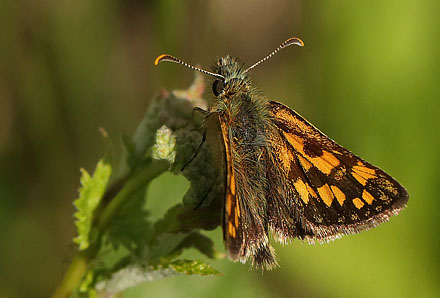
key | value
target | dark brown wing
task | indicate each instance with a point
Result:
(319, 190)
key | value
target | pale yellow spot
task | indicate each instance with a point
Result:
(388, 186)
(326, 162)
(339, 173)
(326, 194)
(358, 203)
(340, 196)
(367, 197)
(301, 188)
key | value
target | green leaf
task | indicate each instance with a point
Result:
(192, 240)
(130, 227)
(202, 243)
(128, 147)
(85, 289)
(90, 194)
(165, 245)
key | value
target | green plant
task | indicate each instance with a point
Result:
(111, 217)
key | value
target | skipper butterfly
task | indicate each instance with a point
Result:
(282, 175)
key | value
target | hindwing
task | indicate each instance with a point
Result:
(326, 191)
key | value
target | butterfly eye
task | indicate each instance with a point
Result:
(217, 87)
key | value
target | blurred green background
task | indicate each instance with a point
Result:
(368, 76)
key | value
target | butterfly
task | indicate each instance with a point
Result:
(284, 177)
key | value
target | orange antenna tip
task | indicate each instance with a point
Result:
(170, 58)
(289, 42)
(160, 58)
(294, 40)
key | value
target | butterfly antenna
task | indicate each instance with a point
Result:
(289, 42)
(170, 58)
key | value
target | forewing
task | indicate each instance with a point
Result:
(232, 229)
(328, 190)
(244, 223)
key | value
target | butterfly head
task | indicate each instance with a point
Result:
(235, 78)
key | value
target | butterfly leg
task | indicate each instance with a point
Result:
(200, 110)
(204, 113)
(204, 197)
(195, 153)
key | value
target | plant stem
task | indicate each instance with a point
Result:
(81, 260)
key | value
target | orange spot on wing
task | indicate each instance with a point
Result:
(367, 197)
(326, 162)
(229, 199)
(340, 196)
(301, 188)
(311, 191)
(304, 163)
(326, 194)
(362, 173)
(232, 184)
(231, 230)
(358, 203)
(236, 218)
(296, 142)
(359, 178)
(231, 190)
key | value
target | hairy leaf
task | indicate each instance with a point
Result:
(90, 194)
(137, 273)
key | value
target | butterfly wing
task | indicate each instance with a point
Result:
(245, 226)
(319, 190)
(232, 228)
